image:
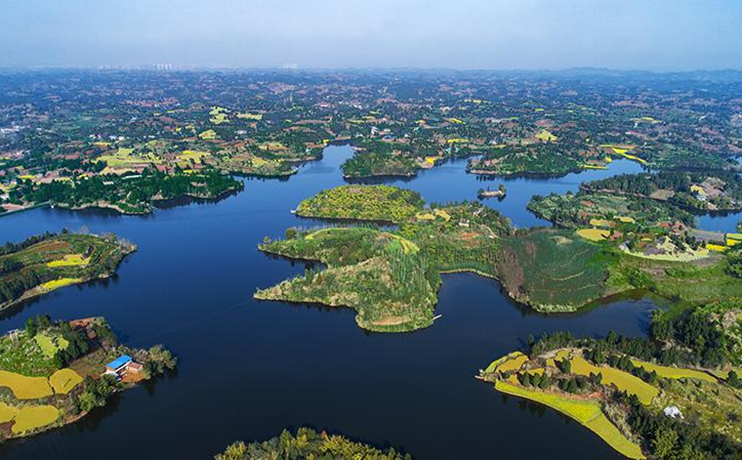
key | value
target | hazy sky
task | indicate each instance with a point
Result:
(482, 34)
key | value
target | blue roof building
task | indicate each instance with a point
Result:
(119, 362)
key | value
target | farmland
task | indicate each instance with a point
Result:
(595, 382)
(588, 413)
(43, 264)
(674, 372)
(42, 391)
(622, 380)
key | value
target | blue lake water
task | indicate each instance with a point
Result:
(249, 369)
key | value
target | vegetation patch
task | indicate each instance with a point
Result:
(307, 444)
(358, 202)
(553, 270)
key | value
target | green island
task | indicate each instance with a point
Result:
(391, 277)
(308, 444)
(53, 373)
(538, 159)
(380, 203)
(373, 159)
(44, 263)
(673, 395)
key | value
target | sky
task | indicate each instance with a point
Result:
(654, 35)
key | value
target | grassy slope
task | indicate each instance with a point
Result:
(553, 270)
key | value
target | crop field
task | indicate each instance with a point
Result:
(59, 283)
(673, 372)
(208, 135)
(70, 260)
(124, 158)
(407, 246)
(603, 427)
(191, 156)
(23, 355)
(553, 270)
(594, 234)
(64, 380)
(621, 150)
(686, 281)
(33, 417)
(25, 387)
(622, 380)
(577, 210)
(510, 362)
(218, 115)
(546, 136)
(7, 413)
(586, 412)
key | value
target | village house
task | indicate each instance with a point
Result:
(125, 369)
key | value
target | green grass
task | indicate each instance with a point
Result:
(50, 345)
(22, 354)
(553, 270)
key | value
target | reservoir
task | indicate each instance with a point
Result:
(249, 369)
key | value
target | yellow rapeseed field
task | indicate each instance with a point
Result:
(622, 380)
(7, 413)
(510, 362)
(25, 387)
(594, 234)
(70, 260)
(64, 380)
(673, 372)
(587, 412)
(60, 283)
(32, 417)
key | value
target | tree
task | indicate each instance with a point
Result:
(664, 442)
(31, 327)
